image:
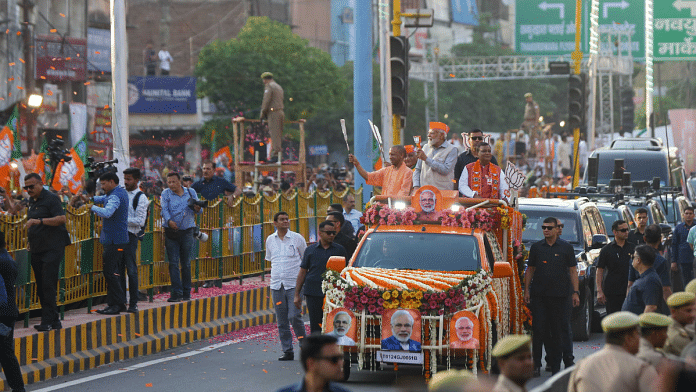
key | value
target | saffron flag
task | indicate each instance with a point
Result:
(40, 166)
(69, 173)
(225, 151)
(9, 148)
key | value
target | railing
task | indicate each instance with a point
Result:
(235, 246)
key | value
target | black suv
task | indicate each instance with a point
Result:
(584, 229)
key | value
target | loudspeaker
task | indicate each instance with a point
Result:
(261, 148)
(592, 167)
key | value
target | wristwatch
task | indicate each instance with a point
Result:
(576, 292)
(41, 220)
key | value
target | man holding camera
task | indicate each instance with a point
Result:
(114, 239)
(178, 207)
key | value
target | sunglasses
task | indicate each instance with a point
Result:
(477, 138)
(548, 227)
(622, 230)
(27, 187)
(329, 232)
(333, 359)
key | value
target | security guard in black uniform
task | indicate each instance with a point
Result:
(550, 286)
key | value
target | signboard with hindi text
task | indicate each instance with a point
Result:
(547, 27)
(674, 30)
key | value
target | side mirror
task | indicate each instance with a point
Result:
(598, 241)
(336, 263)
(502, 269)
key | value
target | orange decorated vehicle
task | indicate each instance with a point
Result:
(433, 283)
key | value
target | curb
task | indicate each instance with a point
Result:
(43, 356)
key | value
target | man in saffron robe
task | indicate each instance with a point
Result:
(482, 178)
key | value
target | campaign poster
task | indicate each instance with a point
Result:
(401, 330)
(464, 327)
(341, 325)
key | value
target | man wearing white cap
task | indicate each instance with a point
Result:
(436, 160)
(615, 367)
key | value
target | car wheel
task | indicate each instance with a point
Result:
(583, 321)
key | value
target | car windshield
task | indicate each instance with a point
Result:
(427, 251)
(641, 166)
(609, 216)
(532, 231)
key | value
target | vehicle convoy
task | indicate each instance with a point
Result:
(432, 283)
(584, 229)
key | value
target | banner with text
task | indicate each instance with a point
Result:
(162, 95)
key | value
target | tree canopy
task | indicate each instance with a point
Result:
(230, 71)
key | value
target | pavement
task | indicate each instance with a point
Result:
(89, 339)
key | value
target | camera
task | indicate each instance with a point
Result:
(199, 235)
(96, 169)
(201, 203)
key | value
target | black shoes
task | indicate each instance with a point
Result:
(174, 298)
(186, 298)
(48, 327)
(287, 357)
(132, 309)
(115, 309)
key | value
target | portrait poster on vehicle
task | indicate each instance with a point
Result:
(464, 327)
(341, 325)
(401, 330)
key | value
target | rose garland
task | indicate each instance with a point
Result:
(377, 293)
(479, 218)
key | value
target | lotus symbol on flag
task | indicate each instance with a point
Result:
(467, 139)
(514, 176)
(67, 174)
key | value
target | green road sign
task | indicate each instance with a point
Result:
(547, 27)
(674, 29)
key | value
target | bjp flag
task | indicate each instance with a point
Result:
(69, 173)
(6, 143)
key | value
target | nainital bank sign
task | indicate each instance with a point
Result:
(162, 95)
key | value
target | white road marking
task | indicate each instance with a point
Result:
(146, 364)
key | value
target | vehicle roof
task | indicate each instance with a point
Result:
(620, 153)
(640, 143)
(568, 204)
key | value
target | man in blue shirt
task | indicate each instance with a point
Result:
(644, 295)
(114, 239)
(179, 223)
(653, 238)
(682, 255)
(311, 269)
(212, 186)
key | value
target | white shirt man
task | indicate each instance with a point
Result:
(284, 250)
(137, 218)
(350, 213)
(165, 61)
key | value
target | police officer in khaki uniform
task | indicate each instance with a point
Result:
(531, 114)
(682, 305)
(453, 381)
(691, 287)
(272, 110)
(615, 367)
(514, 355)
(653, 330)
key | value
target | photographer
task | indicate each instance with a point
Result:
(114, 239)
(178, 207)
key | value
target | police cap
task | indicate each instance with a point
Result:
(266, 75)
(619, 321)
(511, 344)
(654, 320)
(450, 380)
(691, 287)
(682, 298)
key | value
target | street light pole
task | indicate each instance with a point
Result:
(29, 83)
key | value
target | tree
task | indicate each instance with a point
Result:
(229, 72)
